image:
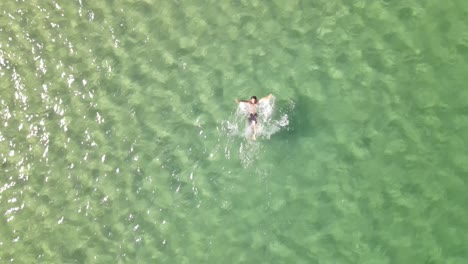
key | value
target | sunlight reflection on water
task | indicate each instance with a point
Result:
(117, 143)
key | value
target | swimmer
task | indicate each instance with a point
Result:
(252, 118)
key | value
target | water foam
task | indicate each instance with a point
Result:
(270, 121)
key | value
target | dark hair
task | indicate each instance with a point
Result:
(254, 97)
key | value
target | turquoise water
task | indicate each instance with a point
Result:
(120, 141)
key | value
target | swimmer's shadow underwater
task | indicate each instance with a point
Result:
(271, 118)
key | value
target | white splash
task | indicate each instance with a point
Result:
(270, 121)
(268, 124)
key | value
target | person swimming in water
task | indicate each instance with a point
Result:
(252, 117)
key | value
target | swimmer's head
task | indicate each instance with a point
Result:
(253, 99)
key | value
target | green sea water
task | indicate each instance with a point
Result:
(120, 141)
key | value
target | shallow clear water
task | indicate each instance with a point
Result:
(120, 140)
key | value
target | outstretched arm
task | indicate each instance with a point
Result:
(240, 101)
(266, 97)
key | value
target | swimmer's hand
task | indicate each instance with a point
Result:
(266, 97)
